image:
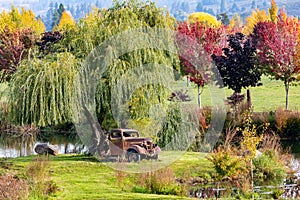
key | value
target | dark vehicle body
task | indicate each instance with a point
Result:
(127, 142)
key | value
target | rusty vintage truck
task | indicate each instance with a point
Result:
(127, 143)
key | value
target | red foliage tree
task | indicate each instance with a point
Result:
(196, 43)
(14, 47)
(277, 49)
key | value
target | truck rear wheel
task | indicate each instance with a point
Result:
(133, 156)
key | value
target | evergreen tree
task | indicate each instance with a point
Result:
(55, 19)
(98, 4)
(235, 8)
(72, 11)
(56, 6)
(51, 5)
(224, 18)
(265, 4)
(253, 4)
(199, 7)
(185, 7)
(223, 6)
(48, 19)
(57, 15)
(61, 9)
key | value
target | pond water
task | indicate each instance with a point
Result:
(12, 145)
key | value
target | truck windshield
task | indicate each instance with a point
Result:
(130, 134)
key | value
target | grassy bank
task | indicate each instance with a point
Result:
(82, 177)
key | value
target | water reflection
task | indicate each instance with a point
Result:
(22, 144)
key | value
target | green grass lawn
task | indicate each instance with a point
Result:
(268, 97)
(82, 177)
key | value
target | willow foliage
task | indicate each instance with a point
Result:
(42, 91)
(101, 25)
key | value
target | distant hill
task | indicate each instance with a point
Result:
(178, 8)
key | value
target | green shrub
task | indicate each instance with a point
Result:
(158, 182)
(177, 129)
(268, 169)
(277, 193)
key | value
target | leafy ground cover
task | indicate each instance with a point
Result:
(83, 177)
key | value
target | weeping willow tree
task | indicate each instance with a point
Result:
(98, 27)
(132, 87)
(42, 91)
(133, 66)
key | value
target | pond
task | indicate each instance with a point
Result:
(22, 144)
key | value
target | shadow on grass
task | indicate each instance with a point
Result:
(59, 158)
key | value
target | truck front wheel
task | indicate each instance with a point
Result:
(133, 156)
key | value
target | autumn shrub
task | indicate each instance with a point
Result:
(162, 181)
(120, 174)
(291, 128)
(39, 180)
(227, 164)
(209, 129)
(284, 123)
(272, 141)
(269, 168)
(282, 116)
(13, 188)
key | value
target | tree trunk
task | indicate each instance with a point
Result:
(99, 143)
(249, 103)
(287, 87)
(252, 178)
(199, 96)
(66, 147)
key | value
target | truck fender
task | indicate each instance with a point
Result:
(138, 149)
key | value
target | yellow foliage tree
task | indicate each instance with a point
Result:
(66, 21)
(256, 17)
(21, 20)
(205, 18)
(273, 11)
(235, 23)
